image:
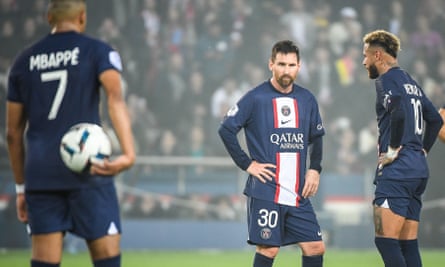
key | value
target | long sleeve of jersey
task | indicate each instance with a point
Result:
(397, 121)
(233, 146)
(316, 154)
(433, 125)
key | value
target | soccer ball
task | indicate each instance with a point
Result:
(83, 144)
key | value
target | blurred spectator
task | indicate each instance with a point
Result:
(347, 157)
(421, 73)
(214, 52)
(151, 22)
(300, 25)
(225, 97)
(322, 15)
(144, 124)
(396, 20)
(345, 32)
(427, 43)
(169, 92)
(370, 17)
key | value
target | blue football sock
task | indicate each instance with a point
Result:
(108, 262)
(262, 261)
(312, 261)
(390, 251)
(36, 263)
(410, 250)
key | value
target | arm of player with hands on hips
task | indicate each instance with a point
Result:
(396, 134)
(442, 130)
(312, 180)
(262, 171)
(117, 108)
(15, 129)
(312, 177)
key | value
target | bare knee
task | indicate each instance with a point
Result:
(104, 247)
(312, 248)
(270, 252)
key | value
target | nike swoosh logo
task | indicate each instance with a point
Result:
(319, 233)
(284, 122)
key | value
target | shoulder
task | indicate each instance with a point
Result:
(303, 92)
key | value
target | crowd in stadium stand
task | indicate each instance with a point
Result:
(187, 61)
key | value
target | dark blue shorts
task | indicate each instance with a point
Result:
(278, 225)
(90, 213)
(403, 197)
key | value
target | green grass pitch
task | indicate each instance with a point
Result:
(287, 257)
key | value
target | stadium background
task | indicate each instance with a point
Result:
(187, 61)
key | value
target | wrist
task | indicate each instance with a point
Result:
(392, 152)
(19, 188)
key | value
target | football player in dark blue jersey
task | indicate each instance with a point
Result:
(53, 85)
(281, 120)
(408, 125)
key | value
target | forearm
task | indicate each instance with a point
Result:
(230, 141)
(431, 133)
(16, 152)
(316, 154)
(120, 120)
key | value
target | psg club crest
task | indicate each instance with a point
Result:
(265, 233)
(285, 110)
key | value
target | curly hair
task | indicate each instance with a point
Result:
(384, 39)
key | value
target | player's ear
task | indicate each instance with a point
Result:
(83, 18)
(270, 64)
(50, 19)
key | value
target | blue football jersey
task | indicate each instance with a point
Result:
(57, 81)
(418, 110)
(278, 129)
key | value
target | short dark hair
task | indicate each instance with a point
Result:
(386, 40)
(285, 47)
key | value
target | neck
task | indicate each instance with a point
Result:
(387, 65)
(66, 26)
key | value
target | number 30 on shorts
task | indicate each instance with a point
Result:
(267, 218)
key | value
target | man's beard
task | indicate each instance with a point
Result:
(372, 72)
(283, 82)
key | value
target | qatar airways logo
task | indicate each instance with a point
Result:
(288, 140)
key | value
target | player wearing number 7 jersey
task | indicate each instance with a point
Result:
(53, 85)
(281, 121)
(408, 125)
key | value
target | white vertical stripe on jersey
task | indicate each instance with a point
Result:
(288, 164)
(286, 112)
(288, 171)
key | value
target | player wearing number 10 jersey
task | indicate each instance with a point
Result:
(280, 121)
(408, 125)
(53, 85)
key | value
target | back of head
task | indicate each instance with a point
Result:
(385, 40)
(64, 10)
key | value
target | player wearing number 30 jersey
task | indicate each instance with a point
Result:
(281, 121)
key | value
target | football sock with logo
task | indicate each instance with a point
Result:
(390, 251)
(312, 261)
(36, 263)
(262, 261)
(108, 262)
(410, 250)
